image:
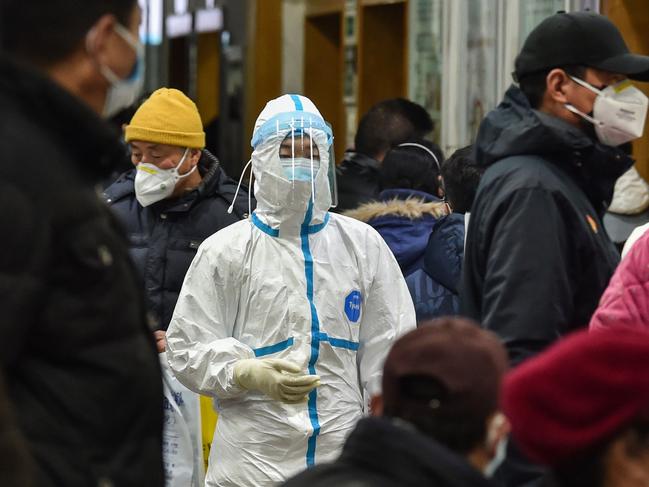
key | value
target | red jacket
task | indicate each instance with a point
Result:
(626, 300)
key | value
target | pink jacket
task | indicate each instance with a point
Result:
(626, 299)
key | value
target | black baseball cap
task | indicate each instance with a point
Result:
(579, 38)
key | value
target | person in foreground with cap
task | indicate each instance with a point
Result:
(286, 318)
(537, 257)
(437, 422)
(582, 408)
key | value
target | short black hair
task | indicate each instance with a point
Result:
(460, 433)
(411, 167)
(44, 32)
(461, 177)
(533, 85)
(389, 123)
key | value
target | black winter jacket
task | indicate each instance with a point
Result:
(80, 361)
(17, 468)
(382, 453)
(537, 256)
(164, 236)
(357, 179)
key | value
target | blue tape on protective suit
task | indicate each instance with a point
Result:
(275, 233)
(297, 102)
(263, 227)
(278, 347)
(315, 333)
(290, 121)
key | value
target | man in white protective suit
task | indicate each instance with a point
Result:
(286, 318)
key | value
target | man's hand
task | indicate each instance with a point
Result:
(160, 340)
(279, 379)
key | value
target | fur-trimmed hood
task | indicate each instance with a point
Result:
(405, 220)
(412, 208)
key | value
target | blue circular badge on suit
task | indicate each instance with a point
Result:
(353, 306)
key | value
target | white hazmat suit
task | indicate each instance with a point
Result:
(293, 282)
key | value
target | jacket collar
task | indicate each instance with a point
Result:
(90, 142)
(418, 460)
(361, 160)
(514, 128)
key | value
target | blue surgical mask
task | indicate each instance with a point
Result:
(500, 449)
(299, 168)
(124, 92)
(497, 460)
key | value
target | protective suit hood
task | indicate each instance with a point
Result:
(283, 204)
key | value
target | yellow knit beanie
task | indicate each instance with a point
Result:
(167, 117)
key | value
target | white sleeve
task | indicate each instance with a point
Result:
(388, 313)
(200, 348)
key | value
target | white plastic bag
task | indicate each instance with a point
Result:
(631, 194)
(181, 436)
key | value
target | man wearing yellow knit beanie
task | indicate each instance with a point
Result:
(176, 196)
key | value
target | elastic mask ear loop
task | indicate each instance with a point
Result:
(182, 161)
(293, 151)
(311, 154)
(583, 115)
(586, 85)
(575, 110)
(252, 176)
(236, 193)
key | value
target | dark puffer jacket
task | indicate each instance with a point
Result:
(537, 256)
(427, 245)
(383, 453)
(82, 371)
(164, 236)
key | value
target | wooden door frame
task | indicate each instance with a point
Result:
(360, 50)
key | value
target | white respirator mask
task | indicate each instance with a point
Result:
(619, 112)
(154, 184)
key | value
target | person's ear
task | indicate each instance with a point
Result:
(194, 156)
(625, 461)
(440, 187)
(376, 405)
(98, 43)
(558, 86)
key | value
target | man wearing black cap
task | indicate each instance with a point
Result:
(537, 256)
(437, 422)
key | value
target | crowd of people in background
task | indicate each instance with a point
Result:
(446, 321)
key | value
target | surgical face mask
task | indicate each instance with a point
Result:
(501, 449)
(497, 460)
(299, 168)
(123, 92)
(619, 112)
(154, 184)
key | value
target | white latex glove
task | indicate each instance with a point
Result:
(280, 379)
